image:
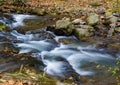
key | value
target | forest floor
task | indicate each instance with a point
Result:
(42, 7)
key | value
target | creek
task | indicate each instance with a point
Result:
(60, 55)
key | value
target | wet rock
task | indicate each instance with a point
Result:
(41, 34)
(31, 24)
(8, 47)
(68, 40)
(4, 27)
(6, 18)
(93, 19)
(7, 37)
(78, 21)
(57, 32)
(4, 39)
(39, 22)
(65, 25)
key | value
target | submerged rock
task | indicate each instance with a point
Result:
(93, 19)
(8, 47)
(40, 34)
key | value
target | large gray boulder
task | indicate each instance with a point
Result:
(93, 19)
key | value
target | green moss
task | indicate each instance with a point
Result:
(1, 1)
(2, 26)
(113, 70)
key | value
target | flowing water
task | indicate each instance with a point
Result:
(60, 59)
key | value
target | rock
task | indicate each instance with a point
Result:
(68, 40)
(111, 32)
(101, 31)
(101, 11)
(4, 27)
(82, 33)
(58, 32)
(113, 19)
(31, 24)
(93, 19)
(8, 47)
(78, 21)
(90, 28)
(40, 12)
(4, 39)
(65, 25)
(117, 29)
(41, 34)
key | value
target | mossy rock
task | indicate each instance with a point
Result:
(65, 25)
(2, 26)
(82, 33)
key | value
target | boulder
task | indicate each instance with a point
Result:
(113, 19)
(93, 19)
(65, 25)
(117, 29)
(82, 33)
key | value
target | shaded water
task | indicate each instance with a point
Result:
(62, 59)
